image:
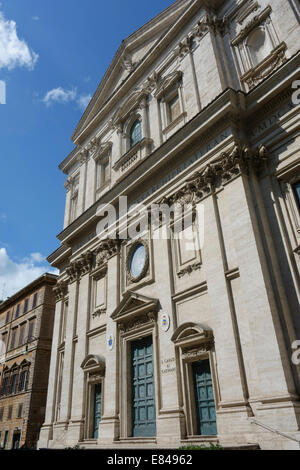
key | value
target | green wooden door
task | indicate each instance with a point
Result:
(97, 409)
(204, 397)
(143, 399)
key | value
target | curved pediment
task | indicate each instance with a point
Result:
(192, 333)
(93, 362)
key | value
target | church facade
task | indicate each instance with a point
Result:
(188, 338)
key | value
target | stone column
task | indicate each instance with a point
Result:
(109, 425)
(76, 425)
(46, 433)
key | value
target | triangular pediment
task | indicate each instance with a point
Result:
(133, 304)
(129, 55)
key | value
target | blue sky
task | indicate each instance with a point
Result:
(53, 54)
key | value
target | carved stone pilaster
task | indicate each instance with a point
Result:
(106, 250)
(217, 25)
(60, 290)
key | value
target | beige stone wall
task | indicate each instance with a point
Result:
(236, 291)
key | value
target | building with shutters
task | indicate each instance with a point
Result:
(189, 338)
(26, 326)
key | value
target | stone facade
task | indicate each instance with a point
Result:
(26, 326)
(196, 108)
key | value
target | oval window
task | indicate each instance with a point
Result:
(138, 260)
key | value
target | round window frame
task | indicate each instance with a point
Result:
(130, 276)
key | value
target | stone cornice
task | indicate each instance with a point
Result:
(226, 167)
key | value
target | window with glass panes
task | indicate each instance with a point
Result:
(14, 381)
(22, 334)
(135, 133)
(13, 338)
(23, 380)
(10, 410)
(30, 330)
(173, 108)
(34, 302)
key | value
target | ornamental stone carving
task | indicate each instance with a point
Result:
(80, 267)
(189, 269)
(147, 318)
(60, 290)
(229, 165)
(106, 250)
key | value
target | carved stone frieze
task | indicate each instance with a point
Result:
(194, 354)
(229, 165)
(147, 318)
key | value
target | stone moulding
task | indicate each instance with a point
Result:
(265, 68)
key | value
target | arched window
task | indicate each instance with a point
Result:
(135, 134)
(259, 46)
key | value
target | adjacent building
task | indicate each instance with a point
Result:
(189, 338)
(26, 327)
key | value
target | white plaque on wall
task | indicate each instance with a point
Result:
(165, 322)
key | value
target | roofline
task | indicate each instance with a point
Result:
(46, 278)
(122, 47)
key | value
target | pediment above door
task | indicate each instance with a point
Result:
(135, 310)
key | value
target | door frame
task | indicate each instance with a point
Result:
(125, 374)
(194, 343)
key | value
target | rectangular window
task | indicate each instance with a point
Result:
(173, 108)
(30, 331)
(7, 317)
(9, 414)
(17, 313)
(296, 188)
(25, 306)
(20, 410)
(102, 172)
(1, 413)
(22, 334)
(5, 383)
(34, 302)
(13, 338)
(4, 343)
(14, 381)
(23, 380)
(74, 199)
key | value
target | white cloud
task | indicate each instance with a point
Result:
(63, 96)
(35, 18)
(83, 101)
(14, 52)
(14, 276)
(59, 95)
(3, 217)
